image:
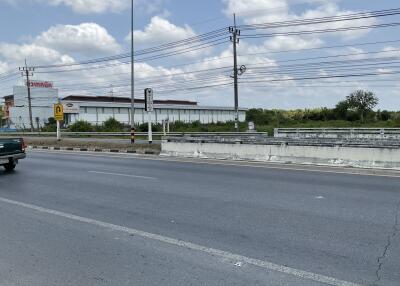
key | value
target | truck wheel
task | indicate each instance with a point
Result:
(10, 166)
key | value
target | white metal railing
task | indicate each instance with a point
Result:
(386, 133)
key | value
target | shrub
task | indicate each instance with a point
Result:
(81, 126)
(112, 125)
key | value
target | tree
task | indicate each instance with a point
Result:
(362, 101)
(81, 126)
(341, 110)
(113, 125)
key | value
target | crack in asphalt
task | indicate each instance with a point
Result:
(395, 230)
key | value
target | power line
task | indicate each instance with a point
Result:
(310, 32)
(323, 20)
(192, 42)
(138, 61)
(325, 77)
(322, 48)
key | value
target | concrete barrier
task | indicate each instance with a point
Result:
(362, 157)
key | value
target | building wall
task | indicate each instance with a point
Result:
(97, 115)
(20, 117)
(42, 100)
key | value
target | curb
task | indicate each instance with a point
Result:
(97, 150)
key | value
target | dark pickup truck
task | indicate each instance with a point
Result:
(11, 151)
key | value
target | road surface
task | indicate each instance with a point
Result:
(75, 219)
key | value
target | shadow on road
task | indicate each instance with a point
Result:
(8, 173)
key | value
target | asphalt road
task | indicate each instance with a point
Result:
(74, 219)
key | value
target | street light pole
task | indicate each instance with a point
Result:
(132, 76)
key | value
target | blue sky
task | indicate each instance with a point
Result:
(49, 32)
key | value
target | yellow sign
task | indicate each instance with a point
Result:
(58, 112)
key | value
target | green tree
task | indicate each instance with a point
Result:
(81, 126)
(112, 125)
(362, 101)
(341, 110)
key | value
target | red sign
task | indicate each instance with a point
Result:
(41, 84)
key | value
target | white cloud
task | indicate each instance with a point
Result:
(280, 43)
(97, 6)
(390, 51)
(258, 11)
(160, 30)
(36, 54)
(4, 67)
(92, 6)
(87, 39)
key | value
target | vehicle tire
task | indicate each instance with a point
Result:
(10, 166)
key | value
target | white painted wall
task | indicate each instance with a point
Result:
(97, 115)
(43, 100)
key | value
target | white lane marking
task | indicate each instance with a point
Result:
(234, 164)
(320, 197)
(189, 245)
(122, 175)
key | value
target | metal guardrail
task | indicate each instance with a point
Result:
(127, 134)
(315, 142)
(371, 133)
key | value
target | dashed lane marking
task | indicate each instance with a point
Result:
(189, 245)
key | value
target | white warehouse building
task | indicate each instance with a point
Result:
(98, 109)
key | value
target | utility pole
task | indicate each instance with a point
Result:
(28, 71)
(132, 76)
(235, 40)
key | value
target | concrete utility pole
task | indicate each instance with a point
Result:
(235, 40)
(25, 71)
(132, 76)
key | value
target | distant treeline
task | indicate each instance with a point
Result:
(279, 117)
(356, 109)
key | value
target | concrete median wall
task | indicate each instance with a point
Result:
(362, 157)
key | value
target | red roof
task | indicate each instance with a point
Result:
(112, 99)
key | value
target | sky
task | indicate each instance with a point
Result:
(279, 70)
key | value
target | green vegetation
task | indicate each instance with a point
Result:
(112, 125)
(81, 126)
(355, 111)
(50, 126)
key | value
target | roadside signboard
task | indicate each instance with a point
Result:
(40, 84)
(71, 108)
(58, 112)
(148, 98)
(149, 107)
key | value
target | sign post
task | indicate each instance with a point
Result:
(58, 116)
(149, 107)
